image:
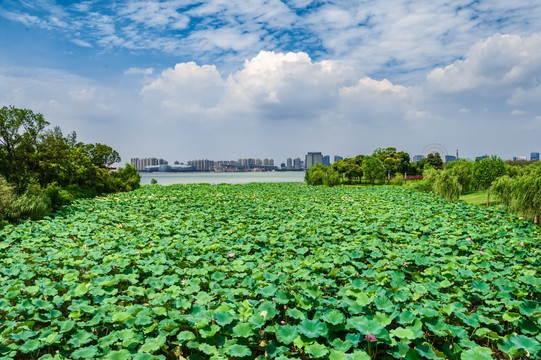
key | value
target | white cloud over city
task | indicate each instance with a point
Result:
(278, 79)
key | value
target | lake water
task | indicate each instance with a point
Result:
(223, 178)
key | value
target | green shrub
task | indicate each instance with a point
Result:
(419, 185)
(81, 191)
(58, 196)
(447, 186)
(322, 175)
(397, 180)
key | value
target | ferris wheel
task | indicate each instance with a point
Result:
(435, 148)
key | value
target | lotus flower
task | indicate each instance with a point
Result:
(231, 255)
(371, 338)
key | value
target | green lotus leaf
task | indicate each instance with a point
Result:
(118, 355)
(341, 345)
(516, 343)
(295, 314)
(529, 308)
(242, 330)
(312, 328)
(403, 333)
(85, 352)
(286, 333)
(160, 311)
(153, 344)
(511, 316)
(208, 349)
(238, 350)
(477, 353)
(316, 350)
(185, 336)
(223, 318)
(81, 289)
(121, 316)
(209, 330)
(30, 346)
(267, 291)
(334, 317)
(80, 338)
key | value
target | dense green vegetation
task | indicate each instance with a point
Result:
(516, 185)
(277, 271)
(41, 169)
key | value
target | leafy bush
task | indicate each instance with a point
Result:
(447, 186)
(397, 180)
(373, 169)
(7, 199)
(522, 192)
(429, 175)
(58, 196)
(487, 170)
(322, 175)
(463, 170)
(419, 185)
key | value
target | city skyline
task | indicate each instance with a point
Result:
(218, 79)
(296, 163)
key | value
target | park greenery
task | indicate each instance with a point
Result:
(42, 169)
(516, 185)
(271, 271)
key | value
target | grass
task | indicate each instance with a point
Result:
(478, 198)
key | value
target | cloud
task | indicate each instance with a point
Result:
(400, 42)
(276, 88)
(500, 73)
(497, 63)
(186, 88)
(139, 71)
(81, 43)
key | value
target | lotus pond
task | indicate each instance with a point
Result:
(278, 271)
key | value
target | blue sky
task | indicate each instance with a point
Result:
(226, 79)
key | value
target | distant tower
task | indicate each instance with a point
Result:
(457, 154)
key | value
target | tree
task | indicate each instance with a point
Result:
(447, 185)
(101, 155)
(487, 170)
(341, 167)
(19, 132)
(522, 192)
(373, 169)
(463, 170)
(322, 175)
(434, 160)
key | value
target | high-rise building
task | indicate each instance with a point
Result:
(202, 165)
(289, 163)
(297, 164)
(534, 156)
(338, 158)
(326, 160)
(140, 164)
(313, 158)
(449, 158)
(417, 158)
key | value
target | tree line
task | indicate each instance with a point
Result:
(42, 169)
(384, 164)
(516, 185)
